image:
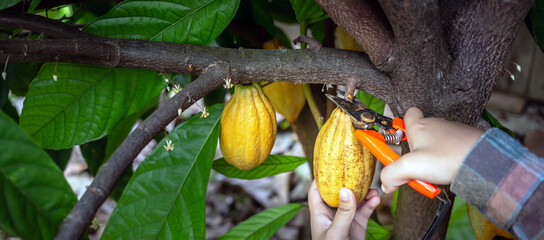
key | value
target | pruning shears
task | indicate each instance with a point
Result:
(364, 120)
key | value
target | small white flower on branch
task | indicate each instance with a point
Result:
(169, 145)
(205, 113)
(228, 84)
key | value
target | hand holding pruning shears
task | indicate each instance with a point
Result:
(423, 145)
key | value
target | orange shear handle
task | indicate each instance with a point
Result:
(376, 144)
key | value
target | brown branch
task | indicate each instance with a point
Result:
(479, 35)
(326, 66)
(365, 22)
(82, 213)
(42, 25)
(418, 32)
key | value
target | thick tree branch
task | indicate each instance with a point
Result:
(82, 213)
(365, 22)
(42, 25)
(420, 55)
(480, 36)
(326, 66)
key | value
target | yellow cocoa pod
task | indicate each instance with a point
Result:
(287, 98)
(248, 127)
(344, 41)
(340, 160)
(482, 227)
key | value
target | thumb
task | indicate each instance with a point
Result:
(344, 215)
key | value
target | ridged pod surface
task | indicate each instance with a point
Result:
(340, 160)
(287, 98)
(248, 127)
(483, 228)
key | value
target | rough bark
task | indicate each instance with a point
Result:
(246, 65)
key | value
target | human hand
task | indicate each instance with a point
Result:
(437, 149)
(349, 221)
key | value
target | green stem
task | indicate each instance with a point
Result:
(303, 32)
(307, 91)
(313, 106)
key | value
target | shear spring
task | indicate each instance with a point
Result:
(393, 138)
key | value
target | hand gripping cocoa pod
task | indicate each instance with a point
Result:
(483, 228)
(286, 98)
(248, 127)
(340, 160)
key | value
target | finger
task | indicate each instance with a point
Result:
(320, 214)
(413, 165)
(412, 116)
(360, 222)
(344, 215)
(364, 211)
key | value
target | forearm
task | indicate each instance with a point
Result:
(505, 181)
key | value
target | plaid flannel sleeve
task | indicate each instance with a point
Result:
(505, 181)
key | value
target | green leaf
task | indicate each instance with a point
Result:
(306, 10)
(5, 85)
(60, 157)
(262, 16)
(25, 73)
(10, 110)
(274, 164)
(535, 22)
(486, 115)
(189, 21)
(371, 102)
(85, 103)
(7, 3)
(264, 224)
(35, 196)
(376, 231)
(459, 226)
(33, 5)
(165, 199)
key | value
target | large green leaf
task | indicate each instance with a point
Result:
(376, 231)
(264, 224)
(35, 196)
(459, 226)
(371, 102)
(187, 21)
(165, 199)
(85, 103)
(7, 3)
(535, 22)
(274, 164)
(306, 10)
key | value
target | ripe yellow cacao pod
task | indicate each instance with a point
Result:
(340, 160)
(482, 227)
(248, 127)
(344, 41)
(286, 98)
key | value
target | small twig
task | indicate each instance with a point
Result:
(312, 43)
(81, 215)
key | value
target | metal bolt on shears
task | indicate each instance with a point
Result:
(364, 120)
